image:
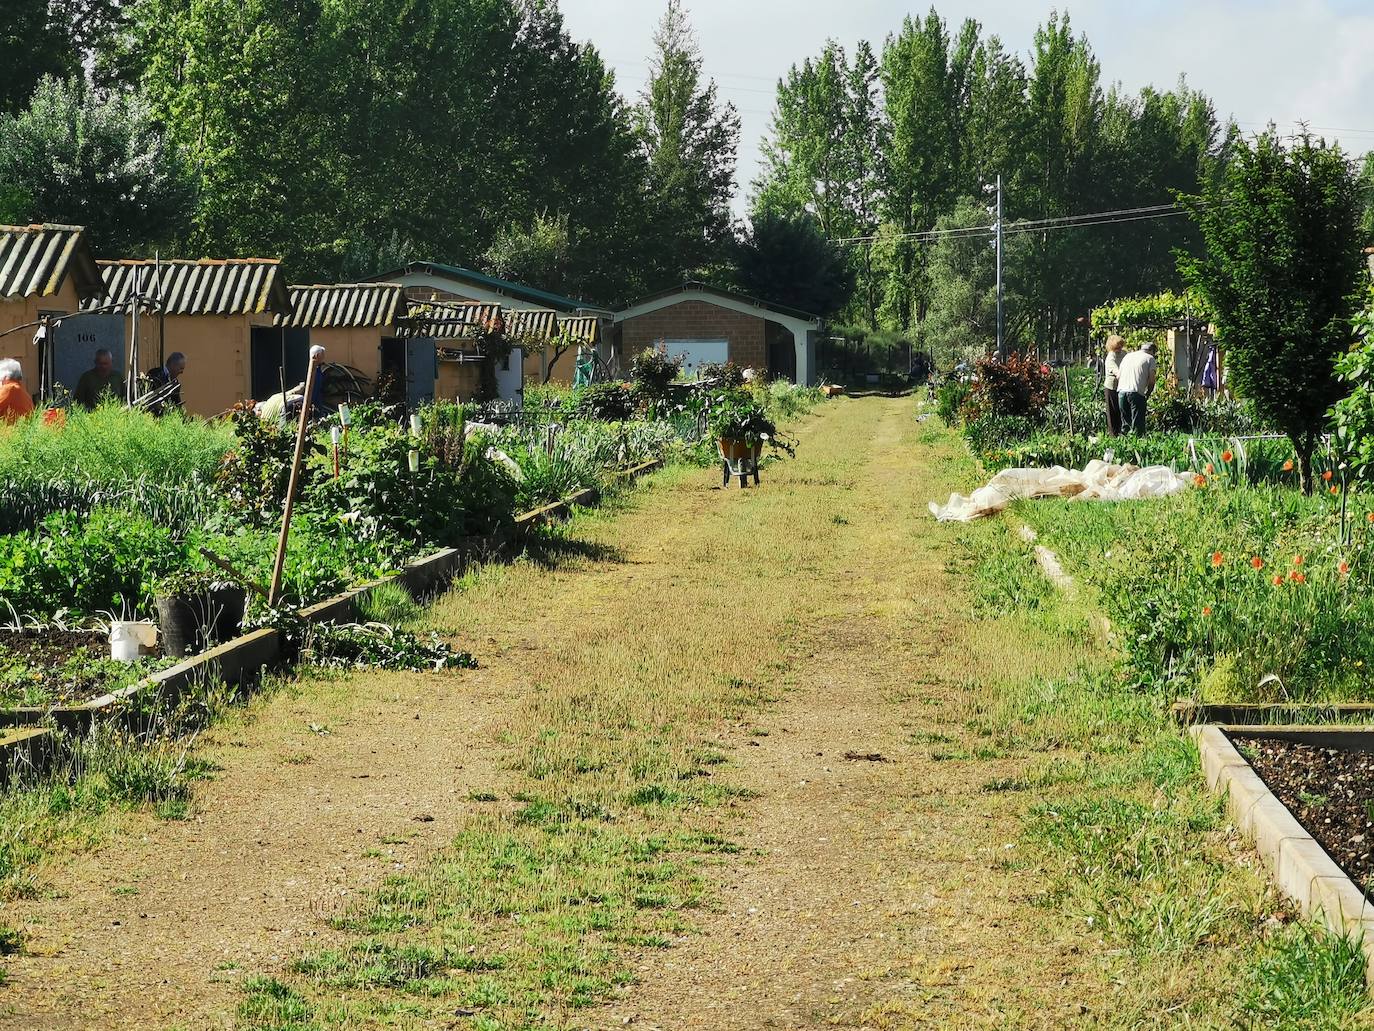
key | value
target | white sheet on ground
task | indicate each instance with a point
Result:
(1098, 481)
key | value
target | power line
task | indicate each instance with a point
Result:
(1092, 218)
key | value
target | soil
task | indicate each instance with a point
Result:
(1330, 791)
(59, 667)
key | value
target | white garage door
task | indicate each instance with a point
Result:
(696, 353)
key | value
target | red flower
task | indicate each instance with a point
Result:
(1206, 610)
(1278, 580)
(1335, 490)
(1201, 481)
(1257, 562)
(1327, 475)
(1226, 456)
(1288, 466)
(1298, 560)
(1343, 567)
(1217, 559)
(1210, 469)
(1297, 578)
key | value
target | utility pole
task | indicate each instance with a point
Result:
(1001, 326)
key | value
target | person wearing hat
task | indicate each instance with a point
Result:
(1135, 382)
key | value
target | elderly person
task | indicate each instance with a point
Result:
(15, 401)
(1111, 371)
(166, 382)
(1135, 382)
(97, 383)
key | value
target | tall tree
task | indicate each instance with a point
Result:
(102, 162)
(689, 141)
(921, 154)
(36, 40)
(786, 259)
(1282, 274)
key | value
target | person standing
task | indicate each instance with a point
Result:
(15, 402)
(166, 383)
(1111, 372)
(97, 383)
(1134, 384)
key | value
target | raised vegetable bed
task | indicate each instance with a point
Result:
(44, 668)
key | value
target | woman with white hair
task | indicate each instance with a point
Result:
(15, 402)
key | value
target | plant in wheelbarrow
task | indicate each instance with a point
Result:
(196, 607)
(743, 429)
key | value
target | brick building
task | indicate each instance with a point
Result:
(704, 325)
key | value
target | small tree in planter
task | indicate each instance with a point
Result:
(1283, 264)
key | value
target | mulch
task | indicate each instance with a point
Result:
(1330, 791)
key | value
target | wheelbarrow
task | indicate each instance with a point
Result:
(739, 458)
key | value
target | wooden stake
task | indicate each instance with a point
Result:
(274, 593)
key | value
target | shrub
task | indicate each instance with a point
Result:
(1016, 385)
(609, 402)
(950, 400)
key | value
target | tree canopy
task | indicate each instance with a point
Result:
(957, 110)
(1281, 275)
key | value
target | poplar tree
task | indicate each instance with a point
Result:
(689, 140)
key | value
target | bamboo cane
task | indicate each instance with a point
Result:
(274, 594)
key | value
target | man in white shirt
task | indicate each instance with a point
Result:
(1134, 384)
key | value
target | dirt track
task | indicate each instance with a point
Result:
(871, 891)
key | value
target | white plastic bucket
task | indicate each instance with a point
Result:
(129, 638)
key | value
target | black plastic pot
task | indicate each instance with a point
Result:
(188, 623)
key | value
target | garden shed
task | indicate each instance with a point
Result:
(434, 281)
(358, 324)
(704, 324)
(212, 310)
(50, 270)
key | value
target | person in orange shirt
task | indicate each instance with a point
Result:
(15, 402)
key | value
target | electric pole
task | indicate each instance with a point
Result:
(1001, 326)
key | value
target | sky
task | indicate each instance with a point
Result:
(1259, 60)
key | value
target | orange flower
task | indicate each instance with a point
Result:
(1297, 578)
(1298, 560)
(1201, 481)
(1288, 466)
(1217, 559)
(1210, 469)
(1343, 567)
(1257, 562)
(1278, 580)
(1226, 456)
(1327, 475)
(1335, 490)
(1369, 516)
(1206, 610)
(55, 417)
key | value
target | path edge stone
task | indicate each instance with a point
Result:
(1302, 870)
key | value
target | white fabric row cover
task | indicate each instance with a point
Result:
(1098, 481)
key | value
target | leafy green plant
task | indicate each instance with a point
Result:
(736, 415)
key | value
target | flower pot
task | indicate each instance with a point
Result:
(188, 623)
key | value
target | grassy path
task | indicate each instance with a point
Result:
(735, 759)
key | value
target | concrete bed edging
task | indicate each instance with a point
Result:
(24, 741)
(1300, 867)
(1268, 714)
